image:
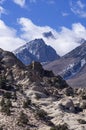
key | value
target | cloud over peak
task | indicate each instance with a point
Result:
(65, 40)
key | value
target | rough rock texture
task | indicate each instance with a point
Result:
(44, 99)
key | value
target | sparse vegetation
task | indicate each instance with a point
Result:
(83, 97)
(60, 127)
(23, 119)
(9, 103)
(81, 121)
(2, 101)
(37, 96)
(7, 95)
(26, 103)
(41, 114)
(83, 106)
(3, 82)
(1, 127)
(15, 96)
(5, 106)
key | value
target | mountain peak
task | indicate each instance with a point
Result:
(36, 50)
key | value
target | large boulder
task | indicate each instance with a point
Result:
(69, 91)
(67, 104)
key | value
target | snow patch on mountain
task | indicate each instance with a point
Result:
(36, 50)
(73, 69)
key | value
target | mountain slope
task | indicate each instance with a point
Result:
(71, 66)
(20, 86)
(36, 50)
(32, 98)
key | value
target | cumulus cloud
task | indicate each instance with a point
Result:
(8, 37)
(78, 8)
(20, 2)
(64, 14)
(65, 40)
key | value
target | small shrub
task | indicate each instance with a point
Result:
(83, 97)
(3, 82)
(37, 96)
(9, 103)
(41, 114)
(60, 127)
(15, 96)
(7, 95)
(1, 127)
(5, 106)
(81, 121)
(53, 128)
(83, 105)
(26, 103)
(23, 118)
(6, 110)
(2, 103)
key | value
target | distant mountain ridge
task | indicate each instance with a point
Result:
(36, 50)
(72, 66)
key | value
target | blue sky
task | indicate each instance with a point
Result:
(25, 20)
(54, 13)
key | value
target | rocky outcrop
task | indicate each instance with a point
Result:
(67, 105)
(36, 99)
(37, 67)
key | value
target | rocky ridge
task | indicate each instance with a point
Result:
(72, 66)
(36, 99)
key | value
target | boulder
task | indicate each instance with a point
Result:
(67, 104)
(69, 91)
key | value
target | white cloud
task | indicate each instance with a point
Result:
(64, 14)
(78, 8)
(20, 2)
(45, 1)
(80, 4)
(8, 37)
(2, 11)
(65, 40)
